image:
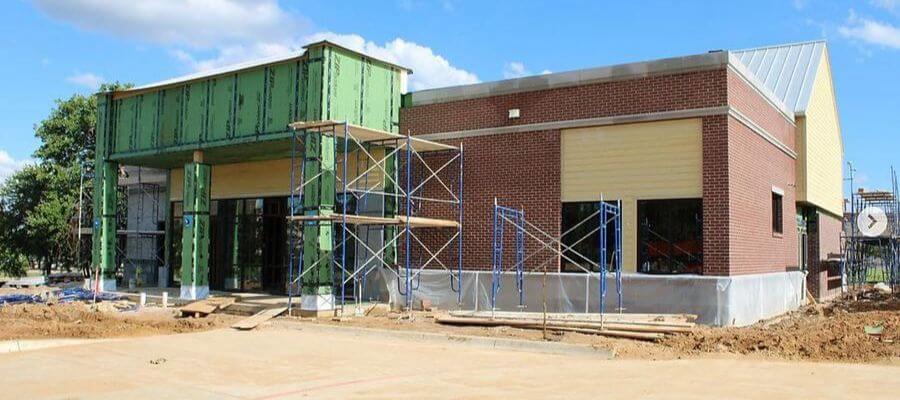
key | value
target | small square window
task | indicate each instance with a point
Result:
(777, 213)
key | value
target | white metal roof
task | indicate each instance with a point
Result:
(787, 70)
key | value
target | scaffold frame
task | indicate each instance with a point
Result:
(607, 213)
(399, 222)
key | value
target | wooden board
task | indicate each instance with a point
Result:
(414, 222)
(258, 318)
(364, 134)
(207, 306)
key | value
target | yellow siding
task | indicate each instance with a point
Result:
(820, 174)
(271, 177)
(656, 160)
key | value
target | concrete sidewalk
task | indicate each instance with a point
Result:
(276, 363)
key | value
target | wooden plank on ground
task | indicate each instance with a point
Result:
(199, 308)
(607, 317)
(205, 307)
(258, 318)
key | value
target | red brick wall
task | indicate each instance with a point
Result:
(830, 229)
(519, 172)
(522, 169)
(823, 276)
(716, 234)
(755, 166)
(636, 96)
(749, 102)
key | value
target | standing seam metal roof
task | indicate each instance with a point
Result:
(787, 70)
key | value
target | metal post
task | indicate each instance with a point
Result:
(344, 217)
(293, 240)
(459, 263)
(408, 210)
(602, 261)
(618, 227)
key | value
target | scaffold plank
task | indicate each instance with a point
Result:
(364, 134)
(414, 222)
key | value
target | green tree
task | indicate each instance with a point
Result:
(39, 203)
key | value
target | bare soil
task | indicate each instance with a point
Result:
(829, 332)
(80, 320)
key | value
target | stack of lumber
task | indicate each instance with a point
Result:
(632, 326)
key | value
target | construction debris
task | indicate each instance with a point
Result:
(650, 327)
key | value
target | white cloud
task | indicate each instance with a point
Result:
(890, 5)
(208, 34)
(88, 80)
(9, 165)
(430, 70)
(195, 23)
(870, 31)
(517, 69)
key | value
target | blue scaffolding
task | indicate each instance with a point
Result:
(517, 218)
(398, 224)
(608, 216)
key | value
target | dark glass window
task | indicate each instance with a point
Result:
(580, 228)
(777, 213)
(670, 236)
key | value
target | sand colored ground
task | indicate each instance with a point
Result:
(833, 332)
(286, 363)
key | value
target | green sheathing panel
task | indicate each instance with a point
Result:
(221, 109)
(249, 107)
(195, 230)
(390, 209)
(282, 95)
(104, 229)
(194, 112)
(344, 86)
(124, 134)
(147, 121)
(318, 199)
(312, 109)
(379, 104)
(256, 104)
(170, 117)
(103, 246)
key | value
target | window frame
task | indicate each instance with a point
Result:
(777, 212)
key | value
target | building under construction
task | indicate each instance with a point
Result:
(706, 184)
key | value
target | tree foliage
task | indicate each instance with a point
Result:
(39, 202)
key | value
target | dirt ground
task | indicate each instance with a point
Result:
(291, 363)
(832, 332)
(80, 320)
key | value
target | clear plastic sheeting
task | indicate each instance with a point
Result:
(719, 301)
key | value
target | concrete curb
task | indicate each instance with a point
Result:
(467, 340)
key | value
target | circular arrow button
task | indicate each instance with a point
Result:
(871, 221)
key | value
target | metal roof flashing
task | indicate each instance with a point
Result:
(699, 62)
(230, 69)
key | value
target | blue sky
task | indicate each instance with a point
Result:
(53, 48)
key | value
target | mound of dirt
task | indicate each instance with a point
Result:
(79, 320)
(832, 333)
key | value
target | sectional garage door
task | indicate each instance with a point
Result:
(655, 160)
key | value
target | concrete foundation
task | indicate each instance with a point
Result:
(716, 300)
(317, 306)
(194, 292)
(106, 285)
